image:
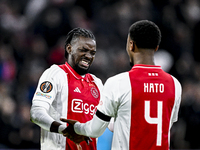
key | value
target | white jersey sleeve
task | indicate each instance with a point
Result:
(48, 85)
(40, 116)
(178, 93)
(45, 94)
(114, 94)
(93, 128)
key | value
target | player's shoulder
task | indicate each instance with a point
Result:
(53, 70)
(118, 78)
(94, 77)
(118, 84)
(176, 81)
(97, 80)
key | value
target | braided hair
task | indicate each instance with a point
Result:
(76, 33)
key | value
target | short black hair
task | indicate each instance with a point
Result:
(76, 33)
(145, 34)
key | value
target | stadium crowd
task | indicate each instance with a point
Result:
(32, 37)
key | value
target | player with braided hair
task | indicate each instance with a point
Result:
(68, 91)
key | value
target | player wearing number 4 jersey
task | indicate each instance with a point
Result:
(144, 101)
(67, 91)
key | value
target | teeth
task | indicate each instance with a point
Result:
(85, 62)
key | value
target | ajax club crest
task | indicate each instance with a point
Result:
(94, 92)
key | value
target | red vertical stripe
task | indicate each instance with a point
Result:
(143, 133)
(83, 97)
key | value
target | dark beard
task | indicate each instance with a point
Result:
(80, 70)
(131, 64)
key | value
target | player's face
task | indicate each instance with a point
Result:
(81, 54)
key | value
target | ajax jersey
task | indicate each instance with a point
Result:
(145, 103)
(83, 97)
(153, 99)
(64, 93)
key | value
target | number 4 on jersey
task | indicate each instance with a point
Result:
(157, 120)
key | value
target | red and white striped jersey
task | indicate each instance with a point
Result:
(144, 102)
(63, 93)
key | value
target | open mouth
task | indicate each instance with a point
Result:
(84, 63)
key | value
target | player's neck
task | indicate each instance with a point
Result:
(144, 57)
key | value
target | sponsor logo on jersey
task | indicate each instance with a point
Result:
(77, 90)
(94, 92)
(46, 87)
(78, 106)
(43, 95)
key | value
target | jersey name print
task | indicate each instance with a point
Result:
(153, 87)
(83, 99)
(153, 99)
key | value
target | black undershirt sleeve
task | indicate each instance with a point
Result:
(54, 126)
(102, 116)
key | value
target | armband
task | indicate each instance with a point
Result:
(102, 116)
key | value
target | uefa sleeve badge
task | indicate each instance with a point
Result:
(46, 87)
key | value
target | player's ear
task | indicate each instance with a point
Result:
(68, 48)
(156, 48)
(132, 46)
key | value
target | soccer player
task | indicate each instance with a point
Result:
(144, 101)
(68, 91)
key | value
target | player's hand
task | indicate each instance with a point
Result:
(71, 122)
(71, 134)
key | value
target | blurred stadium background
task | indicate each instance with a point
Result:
(32, 35)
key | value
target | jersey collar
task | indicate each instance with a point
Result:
(146, 66)
(87, 76)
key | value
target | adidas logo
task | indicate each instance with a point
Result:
(77, 90)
